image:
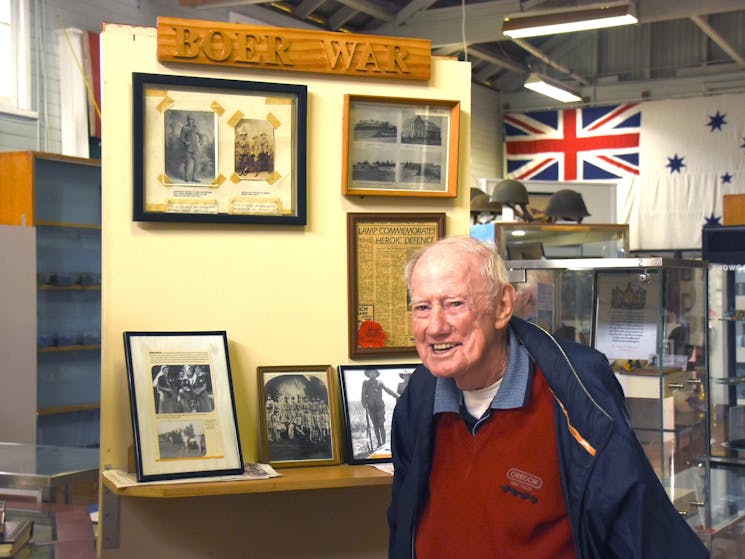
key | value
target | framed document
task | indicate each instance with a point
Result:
(369, 394)
(378, 247)
(400, 147)
(219, 151)
(183, 408)
(300, 419)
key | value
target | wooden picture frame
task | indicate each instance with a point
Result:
(219, 151)
(378, 247)
(400, 147)
(183, 406)
(299, 416)
(369, 394)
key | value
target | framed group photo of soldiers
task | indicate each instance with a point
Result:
(219, 151)
(369, 394)
(183, 406)
(400, 147)
(299, 416)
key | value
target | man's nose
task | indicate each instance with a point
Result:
(438, 322)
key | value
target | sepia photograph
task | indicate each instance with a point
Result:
(369, 394)
(299, 418)
(400, 147)
(254, 149)
(190, 151)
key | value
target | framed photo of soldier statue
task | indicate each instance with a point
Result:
(299, 416)
(369, 394)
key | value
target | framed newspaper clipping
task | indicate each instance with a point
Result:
(400, 147)
(183, 407)
(219, 151)
(378, 247)
(300, 423)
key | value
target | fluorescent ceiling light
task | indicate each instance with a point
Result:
(565, 20)
(541, 85)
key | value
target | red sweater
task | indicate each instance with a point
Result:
(497, 493)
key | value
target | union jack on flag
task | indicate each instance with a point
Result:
(591, 144)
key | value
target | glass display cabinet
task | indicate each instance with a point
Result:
(529, 241)
(647, 315)
(724, 249)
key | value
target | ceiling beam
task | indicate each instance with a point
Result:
(718, 39)
(378, 10)
(307, 7)
(210, 4)
(404, 14)
(341, 16)
(540, 55)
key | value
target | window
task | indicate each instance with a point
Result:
(14, 56)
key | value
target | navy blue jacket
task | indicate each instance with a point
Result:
(617, 506)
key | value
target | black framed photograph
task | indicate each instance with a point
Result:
(369, 394)
(400, 147)
(300, 419)
(182, 403)
(219, 151)
(378, 310)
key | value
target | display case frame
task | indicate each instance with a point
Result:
(556, 240)
(664, 383)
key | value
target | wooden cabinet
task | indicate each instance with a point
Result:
(59, 199)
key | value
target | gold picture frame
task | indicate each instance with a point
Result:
(396, 146)
(299, 416)
(378, 247)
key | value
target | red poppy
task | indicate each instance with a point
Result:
(371, 334)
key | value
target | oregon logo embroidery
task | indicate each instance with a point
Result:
(522, 494)
(524, 478)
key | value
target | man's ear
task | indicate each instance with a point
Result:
(505, 304)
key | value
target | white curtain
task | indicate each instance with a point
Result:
(73, 93)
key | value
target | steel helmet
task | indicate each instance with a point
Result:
(566, 204)
(510, 191)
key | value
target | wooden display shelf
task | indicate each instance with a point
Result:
(77, 347)
(68, 225)
(291, 479)
(57, 410)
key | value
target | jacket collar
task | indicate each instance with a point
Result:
(589, 422)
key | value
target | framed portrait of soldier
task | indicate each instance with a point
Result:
(299, 416)
(182, 403)
(369, 394)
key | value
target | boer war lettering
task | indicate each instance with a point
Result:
(229, 44)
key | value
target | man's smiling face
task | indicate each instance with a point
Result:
(455, 324)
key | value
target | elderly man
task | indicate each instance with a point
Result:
(510, 443)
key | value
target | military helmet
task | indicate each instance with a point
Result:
(510, 191)
(566, 204)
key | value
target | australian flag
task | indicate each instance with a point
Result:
(591, 144)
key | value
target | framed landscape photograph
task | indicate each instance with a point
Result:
(219, 151)
(378, 247)
(299, 418)
(182, 403)
(400, 147)
(369, 394)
